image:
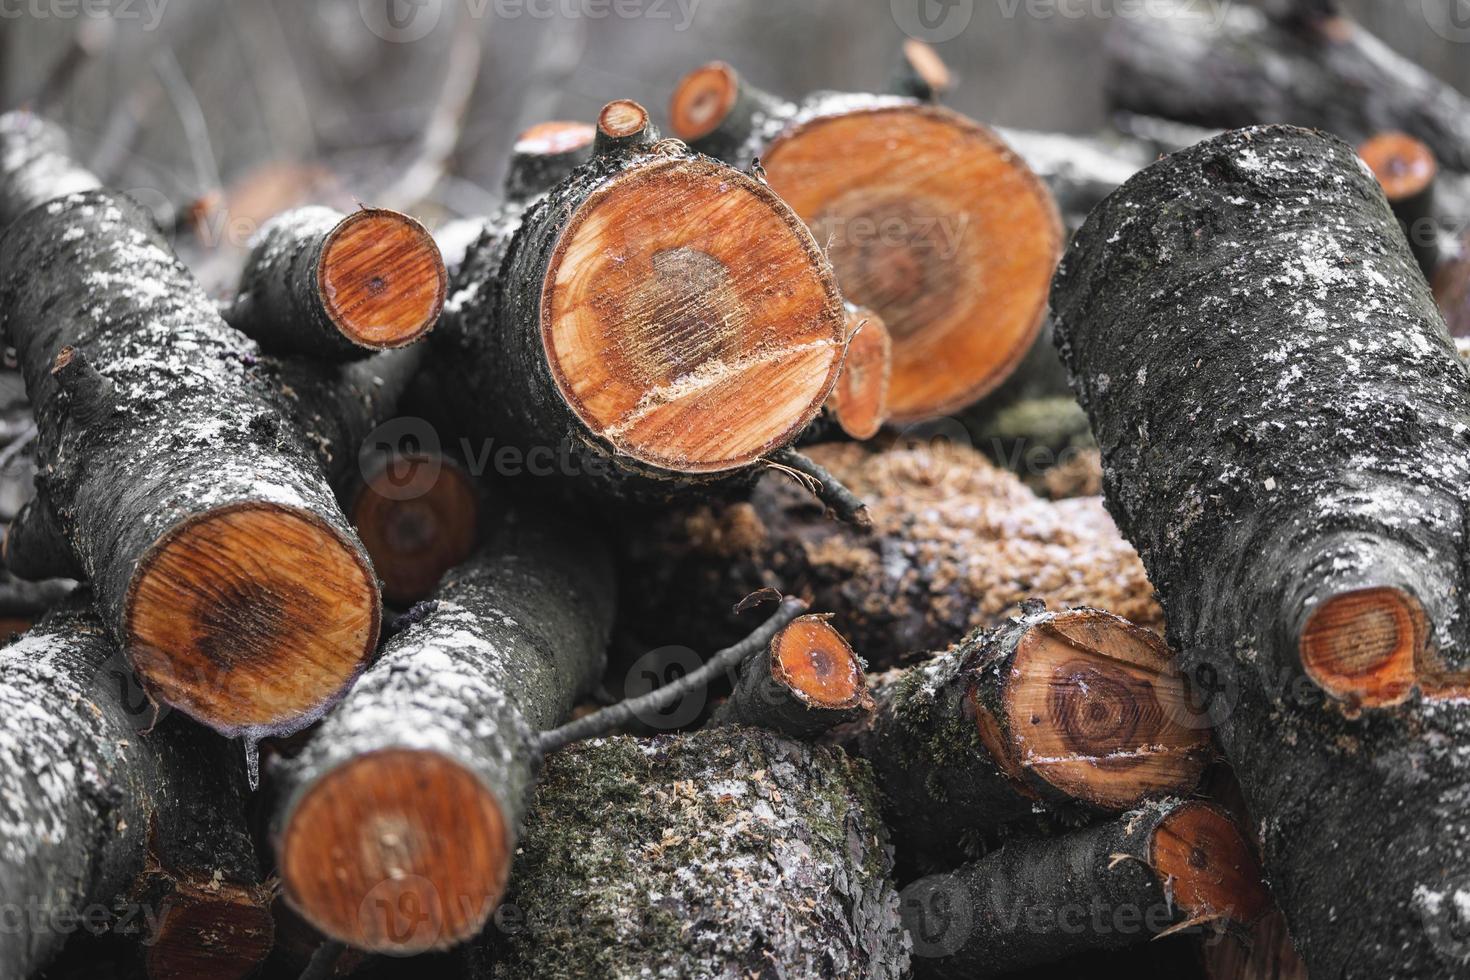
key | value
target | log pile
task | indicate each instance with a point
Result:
(675, 571)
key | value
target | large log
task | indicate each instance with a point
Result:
(1232, 65)
(956, 543)
(325, 284)
(110, 827)
(175, 475)
(1110, 886)
(654, 323)
(1282, 417)
(725, 854)
(398, 820)
(930, 219)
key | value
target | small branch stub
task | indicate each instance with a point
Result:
(922, 73)
(623, 126)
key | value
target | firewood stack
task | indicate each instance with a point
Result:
(606, 585)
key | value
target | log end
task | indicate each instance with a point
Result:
(1208, 867)
(1362, 646)
(252, 618)
(1096, 709)
(398, 852)
(815, 663)
(418, 516)
(381, 278)
(689, 319)
(702, 100)
(860, 400)
(938, 227)
(1404, 166)
(621, 119)
(211, 929)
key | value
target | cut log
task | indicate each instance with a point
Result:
(727, 853)
(1111, 886)
(321, 283)
(1299, 499)
(930, 220)
(398, 820)
(133, 829)
(1232, 66)
(858, 405)
(37, 165)
(544, 154)
(1064, 713)
(1406, 169)
(630, 323)
(170, 469)
(956, 543)
(806, 682)
(419, 515)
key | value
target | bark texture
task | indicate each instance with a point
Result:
(725, 853)
(956, 543)
(96, 813)
(1281, 416)
(1233, 66)
(35, 165)
(501, 653)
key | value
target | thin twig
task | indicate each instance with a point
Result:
(608, 719)
(828, 489)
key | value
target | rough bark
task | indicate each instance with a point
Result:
(436, 745)
(634, 396)
(921, 242)
(805, 683)
(324, 284)
(35, 165)
(726, 853)
(1230, 65)
(141, 831)
(1281, 416)
(166, 452)
(956, 543)
(1110, 886)
(1053, 714)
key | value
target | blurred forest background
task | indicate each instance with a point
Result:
(218, 113)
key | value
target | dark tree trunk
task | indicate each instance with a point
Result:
(1054, 713)
(437, 740)
(325, 284)
(1226, 65)
(1281, 415)
(1111, 886)
(165, 457)
(725, 854)
(98, 813)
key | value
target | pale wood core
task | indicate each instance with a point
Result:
(1403, 165)
(398, 852)
(1363, 646)
(382, 279)
(936, 225)
(860, 400)
(251, 616)
(815, 662)
(1207, 866)
(689, 319)
(621, 118)
(927, 64)
(553, 138)
(703, 99)
(418, 517)
(1097, 708)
